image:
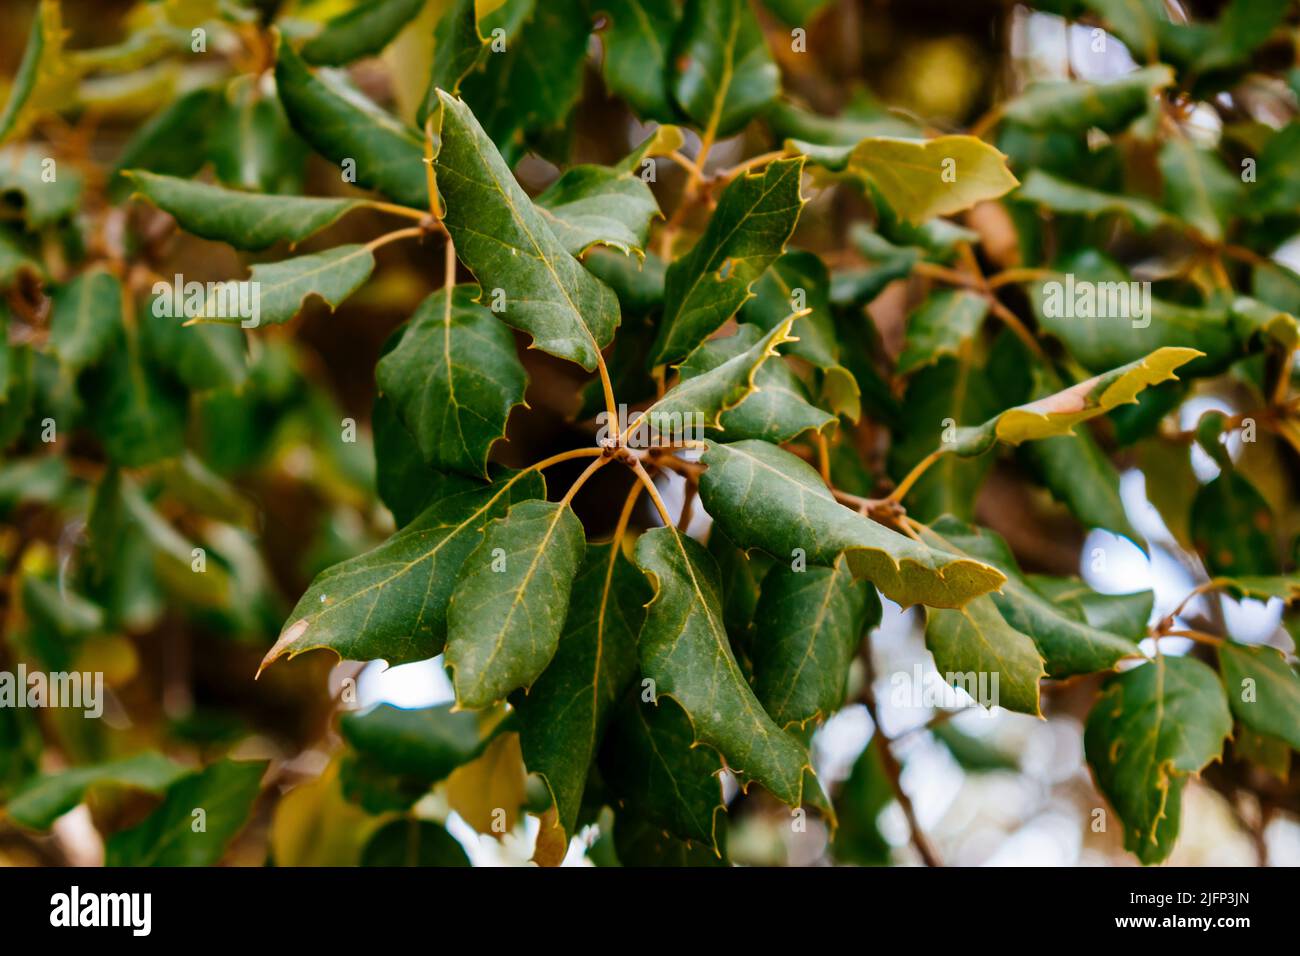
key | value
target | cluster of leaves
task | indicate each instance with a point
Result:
(628, 673)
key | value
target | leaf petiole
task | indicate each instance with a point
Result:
(642, 476)
(397, 234)
(914, 475)
(590, 470)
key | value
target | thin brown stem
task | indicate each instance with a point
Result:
(607, 386)
(1202, 588)
(1012, 321)
(587, 472)
(823, 457)
(688, 506)
(1010, 276)
(397, 234)
(642, 476)
(564, 456)
(914, 475)
(1199, 636)
(449, 268)
(406, 212)
(894, 772)
(944, 274)
(684, 161)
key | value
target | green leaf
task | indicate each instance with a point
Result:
(1253, 319)
(709, 388)
(1136, 22)
(920, 178)
(684, 649)
(763, 497)
(1123, 614)
(1075, 107)
(340, 125)
(457, 48)
(1201, 48)
(1060, 195)
(521, 92)
(202, 357)
(862, 117)
(796, 281)
(20, 748)
(756, 216)
(1067, 644)
(284, 287)
(1057, 414)
(741, 575)
(224, 791)
(252, 144)
(419, 747)
(637, 41)
(1268, 753)
(245, 220)
(1084, 315)
(796, 12)
(1261, 588)
(563, 716)
(637, 842)
(607, 205)
(391, 602)
(654, 770)
(46, 79)
(863, 797)
(944, 324)
(1263, 690)
(85, 317)
(174, 141)
(138, 414)
(724, 72)
(777, 409)
(1151, 727)
(951, 390)
(46, 798)
(1277, 189)
(413, 842)
(59, 620)
(362, 31)
(973, 754)
(1078, 473)
(506, 243)
(809, 624)
(507, 611)
(453, 379)
(44, 202)
(1198, 188)
(1232, 527)
(971, 642)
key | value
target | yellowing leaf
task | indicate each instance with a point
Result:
(489, 791)
(920, 178)
(314, 825)
(46, 79)
(1057, 414)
